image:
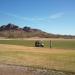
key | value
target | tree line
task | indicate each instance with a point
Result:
(13, 27)
(14, 31)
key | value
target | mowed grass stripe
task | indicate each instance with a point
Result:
(29, 43)
(64, 44)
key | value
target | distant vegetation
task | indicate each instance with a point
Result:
(14, 31)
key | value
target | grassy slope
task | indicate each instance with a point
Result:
(38, 57)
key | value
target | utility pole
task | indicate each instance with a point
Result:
(50, 44)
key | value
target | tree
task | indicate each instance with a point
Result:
(11, 26)
(2, 27)
(27, 29)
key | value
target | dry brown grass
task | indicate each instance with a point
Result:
(5, 47)
(59, 59)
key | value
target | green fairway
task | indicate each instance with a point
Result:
(29, 43)
(64, 44)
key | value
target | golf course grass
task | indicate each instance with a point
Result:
(63, 44)
(22, 52)
(58, 61)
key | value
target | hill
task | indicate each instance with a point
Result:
(14, 31)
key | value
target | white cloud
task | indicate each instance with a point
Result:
(35, 18)
(24, 18)
(57, 15)
(13, 15)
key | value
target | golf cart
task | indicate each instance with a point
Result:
(39, 44)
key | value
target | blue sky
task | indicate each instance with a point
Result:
(53, 16)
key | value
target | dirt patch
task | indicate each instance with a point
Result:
(22, 70)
